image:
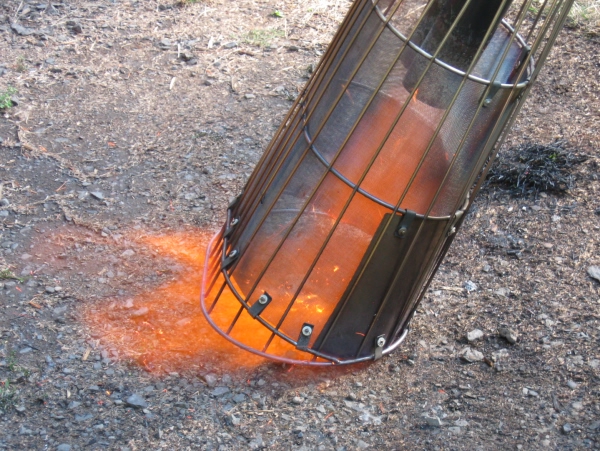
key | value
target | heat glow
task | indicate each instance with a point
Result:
(163, 328)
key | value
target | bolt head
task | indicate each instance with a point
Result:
(263, 299)
(233, 253)
(307, 331)
(234, 221)
(380, 342)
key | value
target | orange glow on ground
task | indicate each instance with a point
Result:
(165, 329)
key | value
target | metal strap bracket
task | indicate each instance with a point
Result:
(230, 259)
(407, 220)
(261, 303)
(379, 344)
(494, 88)
(305, 334)
(231, 227)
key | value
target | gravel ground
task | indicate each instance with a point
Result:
(134, 123)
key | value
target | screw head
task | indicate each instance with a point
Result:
(307, 331)
(233, 253)
(234, 221)
(380, 342)
(263, 299)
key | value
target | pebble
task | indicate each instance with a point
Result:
(594, 272)
(136, 401)
(98, 195)
(471, 355)
(165, 44)
(230, 45)
(470, 286)
(474, 335)
(4, 202)
(140, 312)
(128, 253)
(210, 379)
(63, 447)
(297, 400)
(567, 428)
(219, 391)
(572, 385)
(509, 334)
(433, 421)
(530, 392)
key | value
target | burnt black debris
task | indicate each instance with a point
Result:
(534, 168)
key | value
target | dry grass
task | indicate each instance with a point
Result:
(586, 14)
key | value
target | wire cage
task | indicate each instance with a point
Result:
(325, 255)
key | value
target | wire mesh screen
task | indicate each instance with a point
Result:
(327, 252)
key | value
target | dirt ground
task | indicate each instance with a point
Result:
(134, 124)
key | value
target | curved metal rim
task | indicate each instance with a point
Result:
(333, 360)
(352, 185)
(447, 66)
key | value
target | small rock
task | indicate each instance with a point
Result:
(572, 385)
(63, 447)
(362, 445)
(24, 431)
(50, 289)
(297, 400)
(186, 56)
(136, 401)
(471, 355)
(433, 421)
(75, 27)
(21, 30)
(165, 44)
(4, 202)
(567, 428)
(73, 405)
(594, 272)
(210, 379)
(250, 96)
(594, 363)
(470, 286)
(97, 194)
(128, 253)
(140, 312)
(219, 391)
(474, 335)
(509, 334)
(230, 45)
(240, 397)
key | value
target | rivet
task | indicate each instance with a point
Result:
(233, 253)
(307, 331)
(380, 342)
(234, 221)
(263, 299)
